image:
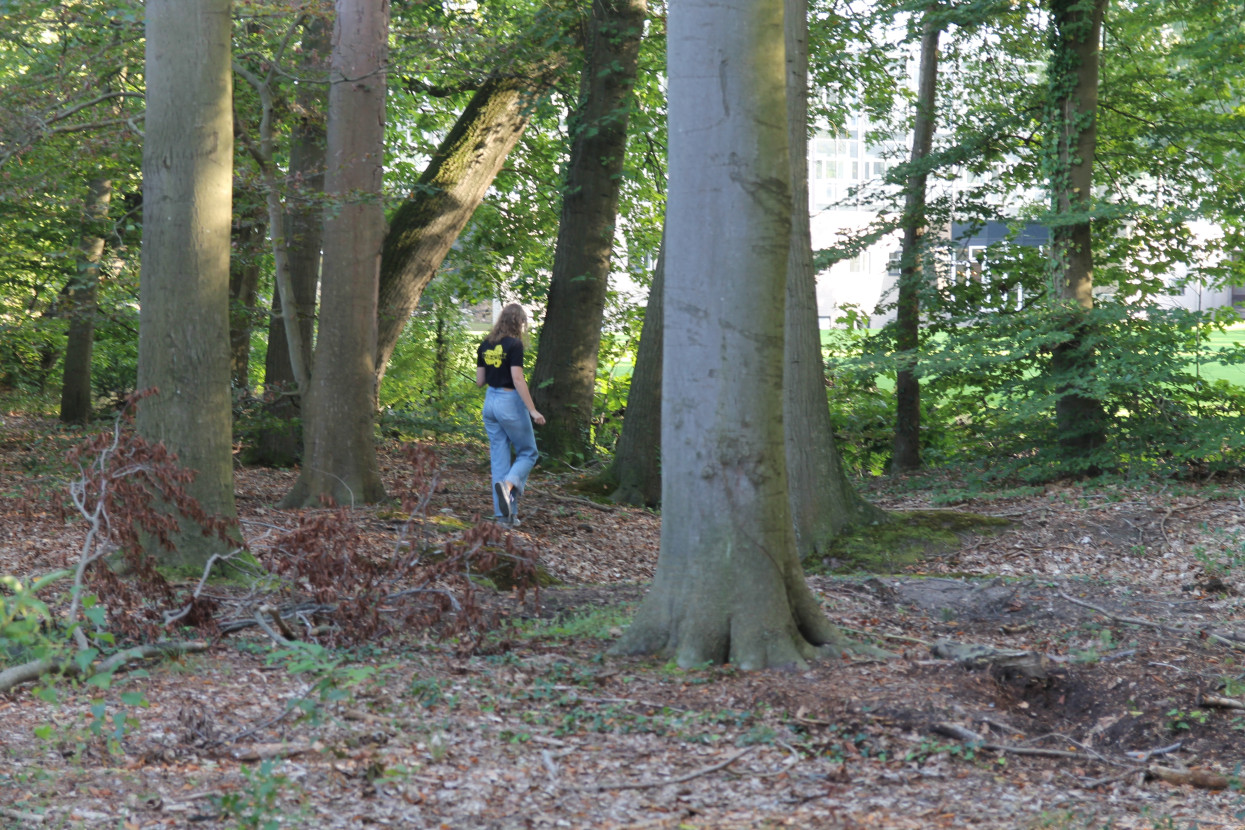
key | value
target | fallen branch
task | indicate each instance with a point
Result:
(1170, 629)
(32, 671)
(18, 815)
(1222, 702)
(644, 785)
(35, 669)
(266, 752)
(961, 733)
(149, 651)
(1202, 778)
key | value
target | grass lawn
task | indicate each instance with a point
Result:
(1208, 368)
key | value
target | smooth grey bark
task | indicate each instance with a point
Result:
(1080, 419)
(636, 470)
(564, 378)
(448, 192)
(183, 349)
(906, 454)
(81, 306)
(823, 502)
(281, 443)
(339, 455)
(729, 586)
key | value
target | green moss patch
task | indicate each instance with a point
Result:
(904, 540)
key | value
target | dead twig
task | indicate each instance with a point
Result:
(644, 785)
(605, 508)
(953, 730)
(1170, 629)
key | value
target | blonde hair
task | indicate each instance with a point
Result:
(512, 322)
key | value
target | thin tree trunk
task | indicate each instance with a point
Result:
(244, 272)
(729, 585)
(637, 457)
(280, 444)
(183, 349)
(1074, 97)
(564, 377)
(906, 454)
(823, 503)
(339, 457)
(82, 293)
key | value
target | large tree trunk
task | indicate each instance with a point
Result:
(729, 585)
(183, 349)
(280, 445)
(906, 454)
(564, 378)
(636, 470)
(81, 307)
(244, 272)
(447, 194)
(339, 458)
(1074, 102)
(823, 503)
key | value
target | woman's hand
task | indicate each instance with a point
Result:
(537, 418)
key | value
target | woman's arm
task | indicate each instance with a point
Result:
(520, 386)
(479, 376)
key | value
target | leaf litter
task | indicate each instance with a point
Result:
(1127, 599)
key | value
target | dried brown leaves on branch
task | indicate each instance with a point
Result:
(422, 585)
(132, 493)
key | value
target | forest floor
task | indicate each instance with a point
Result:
(1121, 603)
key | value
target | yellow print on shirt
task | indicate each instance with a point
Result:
(493, 356)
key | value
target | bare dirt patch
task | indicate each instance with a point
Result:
(1127, 597)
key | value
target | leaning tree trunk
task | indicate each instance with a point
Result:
(447, 194)
(729, 585)
(183, 346)
(823, 503)
(339, 457)
(906, 454)
(636, 470)
(564, 378)
(1077, 25)
(82, 292)
(280, 443)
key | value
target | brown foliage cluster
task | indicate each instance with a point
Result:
(132, 494)
(423, 585)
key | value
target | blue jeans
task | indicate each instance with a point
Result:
(509, 429)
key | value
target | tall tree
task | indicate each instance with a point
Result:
(339, 457)
(245, 270)
(81, 304)
(906, 455)
(823, 503)
(184, 293)
(636, 468)
(729, 585)
(565, 375)
(451, 187)
(1072, 77)
(280, 444)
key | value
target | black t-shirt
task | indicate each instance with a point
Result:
(497, 358)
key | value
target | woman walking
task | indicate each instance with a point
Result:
(508, 410)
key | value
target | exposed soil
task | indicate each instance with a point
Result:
(540, 729)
